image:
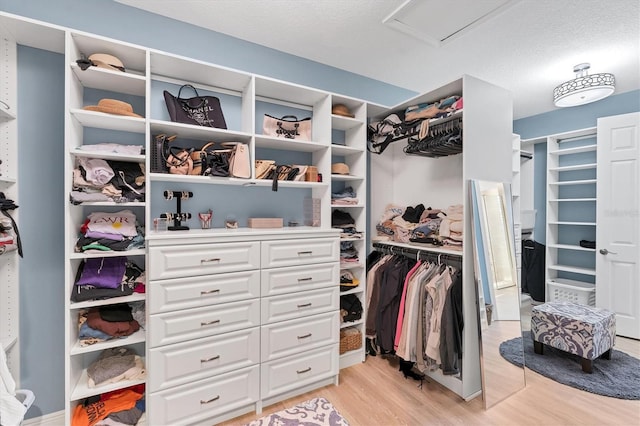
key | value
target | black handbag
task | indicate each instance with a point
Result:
(198, 110)
(218, 163)
(160, 153)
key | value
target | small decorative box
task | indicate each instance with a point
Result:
(265, 222)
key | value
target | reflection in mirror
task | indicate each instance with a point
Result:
(497, 287)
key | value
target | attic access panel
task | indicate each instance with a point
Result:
(437, 22)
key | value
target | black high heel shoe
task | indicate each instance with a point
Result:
(406, 367)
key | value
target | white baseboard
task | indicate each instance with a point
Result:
(53, 419)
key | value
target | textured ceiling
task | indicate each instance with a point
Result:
(529, 47)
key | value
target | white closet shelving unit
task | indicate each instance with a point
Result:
(571, 216)
(247, 98)
(409, 180)
(9, 259)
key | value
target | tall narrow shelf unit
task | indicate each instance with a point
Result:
(408, 180)
(9, 259)
(571, 216)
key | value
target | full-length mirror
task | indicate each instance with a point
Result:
(497, 287)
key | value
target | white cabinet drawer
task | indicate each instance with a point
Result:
(179, 326)
(195, 402)
(299, 278)
(298, 370)
(202, 259)
(197, 359)
(299, 252)
(289, 337)
(297, 305)
(193, 292)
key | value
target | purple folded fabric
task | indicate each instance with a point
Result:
(98, 235)
(104, 272)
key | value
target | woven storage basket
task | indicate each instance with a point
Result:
(350, 339)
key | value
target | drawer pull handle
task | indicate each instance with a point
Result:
(304, 279)
(209, 322)
(306, 370)
(213, 358)
(304, 336)
(217, 290)
(300, 253)
(215, 398)
(215, 259)
(305, 305)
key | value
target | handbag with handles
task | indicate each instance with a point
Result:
(160, 152)
(240, 161)
(179, 161)
(199, 159)
(287, 127)
(198, 110)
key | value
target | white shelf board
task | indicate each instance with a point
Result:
(570, 247)
(135, 297)
(288, 92)
(576, 150)
(6, 114)
(344, 150)
(355, 290)
(211, 180)
(137, 337)
(82, 390)
(351, 323)
(574, 182)
(136, 252)
(8, 179)
(112, 81)
(78, 152)
(111, 204)
(290, 184)
(101, 120)
(340, 122)
(347, 206)
(8, 341)
(337, 178)
(573, 168)
(573, 223)
(192, 131)
(351, 265)
(289, 144)
(574, 269)
(561, 200)
(422, 246)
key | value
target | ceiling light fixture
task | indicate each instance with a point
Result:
(583, 89)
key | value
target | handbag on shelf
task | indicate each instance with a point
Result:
(218, 163)
(264, 168)
(199, 159)
(198, 110)
(160, 152)
(179, 161)
(287, 127)
(239, 161)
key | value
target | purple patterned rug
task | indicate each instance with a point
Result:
(315, 412)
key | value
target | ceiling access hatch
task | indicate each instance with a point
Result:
(437, 22)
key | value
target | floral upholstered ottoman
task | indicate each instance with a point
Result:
(578, 329)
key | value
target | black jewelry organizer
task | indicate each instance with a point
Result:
(178, 217)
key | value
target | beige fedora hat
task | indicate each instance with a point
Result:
(113, 106)
(104, 60)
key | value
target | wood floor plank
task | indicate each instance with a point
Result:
(375, 393)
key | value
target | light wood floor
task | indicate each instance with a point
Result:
(376, 393)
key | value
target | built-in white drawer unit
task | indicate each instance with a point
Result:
(179, 326)
(200, 402)
(193, 292)
(299, 278)
(186, 362)
(299, 252)
(289, 337)
(300, 304)
(295, 371)
(202, 259)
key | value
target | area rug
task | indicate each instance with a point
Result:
(618, 377)
(315, 412)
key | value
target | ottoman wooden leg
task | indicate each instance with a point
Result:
(587, 365)
(538, 347)
(606, 355)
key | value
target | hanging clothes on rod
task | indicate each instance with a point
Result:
(414, 300)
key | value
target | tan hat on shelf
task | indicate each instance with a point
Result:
(104, 60)
(339, 169)
(113, 106)
(341, 109)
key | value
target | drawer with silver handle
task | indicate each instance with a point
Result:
(202, 259)
(179, 326)
(289, 337)
(301, 304)
(299, 278)
(296, 371)
(193, 360)
(299, 252)
(202, 401)
(192, 292)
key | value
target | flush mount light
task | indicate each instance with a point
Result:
(583, 89)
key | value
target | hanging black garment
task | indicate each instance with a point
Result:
(533, 264)
(389, 303)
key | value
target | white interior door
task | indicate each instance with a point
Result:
(618, 221)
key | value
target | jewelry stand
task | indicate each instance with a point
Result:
(178, 216)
